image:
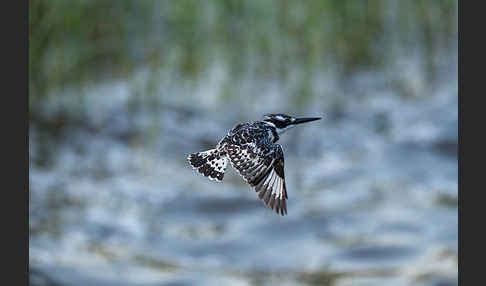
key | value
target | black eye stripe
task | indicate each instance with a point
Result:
(279, 124)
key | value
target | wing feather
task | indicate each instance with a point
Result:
(262, 170)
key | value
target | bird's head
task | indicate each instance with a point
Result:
(283, 122)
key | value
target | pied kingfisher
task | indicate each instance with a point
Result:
(251, 150)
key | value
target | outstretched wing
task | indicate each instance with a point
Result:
(262, 168)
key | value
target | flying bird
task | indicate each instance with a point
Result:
(252, 151)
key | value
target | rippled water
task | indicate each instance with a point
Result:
(372, 189)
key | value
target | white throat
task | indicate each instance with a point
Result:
(279, 130)
(282, 130)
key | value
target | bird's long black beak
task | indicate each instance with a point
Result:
(305, 119)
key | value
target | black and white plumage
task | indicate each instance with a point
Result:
(252, 151)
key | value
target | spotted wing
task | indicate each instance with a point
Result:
(262, 168)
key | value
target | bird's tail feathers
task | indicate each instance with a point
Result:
(210, 163)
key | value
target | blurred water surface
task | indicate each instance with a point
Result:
(121, 93)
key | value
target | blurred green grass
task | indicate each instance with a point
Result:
(76, 42)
